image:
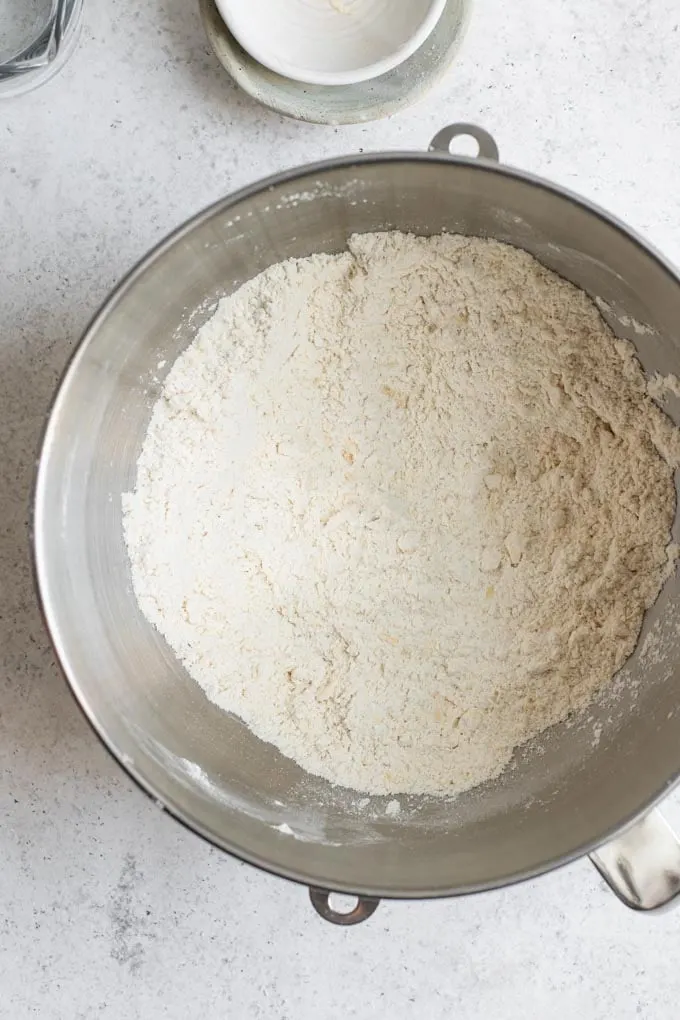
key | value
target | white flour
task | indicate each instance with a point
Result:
(401, 509)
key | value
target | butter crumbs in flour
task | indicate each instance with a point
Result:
(403, 508)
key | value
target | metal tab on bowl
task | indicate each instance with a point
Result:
(487, 148)
(321, 901)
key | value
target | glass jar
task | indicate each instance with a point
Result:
(36, 39)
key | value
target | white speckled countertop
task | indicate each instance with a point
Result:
(108, 908)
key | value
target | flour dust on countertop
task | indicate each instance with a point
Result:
(402, 508)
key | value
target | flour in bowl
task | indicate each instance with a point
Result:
(403, 508)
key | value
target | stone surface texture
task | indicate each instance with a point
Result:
(108, 908)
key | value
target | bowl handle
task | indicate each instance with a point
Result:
(642, 865)
(365, 906)
(487, 148)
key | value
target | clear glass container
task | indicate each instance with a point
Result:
(36, 39)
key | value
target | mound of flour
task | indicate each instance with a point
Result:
(401, 509)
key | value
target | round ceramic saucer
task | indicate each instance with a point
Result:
(342, 104)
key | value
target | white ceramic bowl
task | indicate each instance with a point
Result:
(331, 42)
(349, 104)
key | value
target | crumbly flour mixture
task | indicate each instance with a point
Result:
(402, 508)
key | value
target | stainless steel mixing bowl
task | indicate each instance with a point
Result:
(569, 792)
